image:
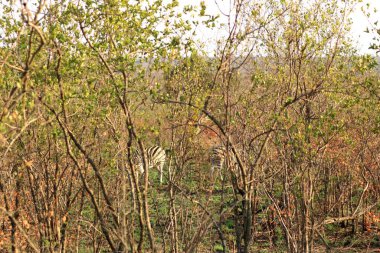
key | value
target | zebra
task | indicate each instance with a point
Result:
(218, 159)
(156, 157)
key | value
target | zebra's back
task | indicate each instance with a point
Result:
(156, 156)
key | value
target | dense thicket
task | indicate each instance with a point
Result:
(84, 85)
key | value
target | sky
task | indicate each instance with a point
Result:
(361, 22)
(361, 39)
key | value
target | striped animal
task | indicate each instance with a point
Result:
(218, 159)
(155, 159)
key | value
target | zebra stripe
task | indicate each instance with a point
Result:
(155, 158)
(218, 159)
